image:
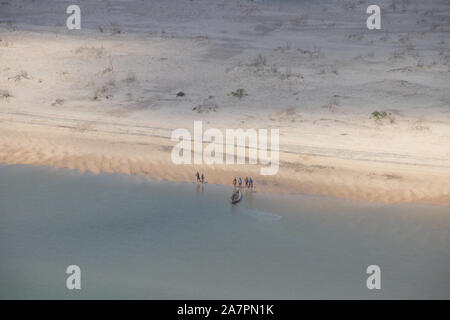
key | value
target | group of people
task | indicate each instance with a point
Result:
(200, 179)
(248, 182)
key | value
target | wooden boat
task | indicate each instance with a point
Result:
(236, 197)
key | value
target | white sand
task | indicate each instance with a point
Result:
(100, 100)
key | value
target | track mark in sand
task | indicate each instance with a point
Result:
(391, 176)
(164, 133)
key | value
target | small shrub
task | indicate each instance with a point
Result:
(377, 115)
(287, 74)
(116, 28)
(20, 76)
(131, 77)
(109, 69)
(91, 51)
(4, 94)
(4, 43)
(331, 69)
(259, 61)
(58, 102)
(205, 108)
(104, 91)
(316, 52)
(332, 105)
(239, 93)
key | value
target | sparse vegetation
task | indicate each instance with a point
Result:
(434, 26)
(206, 108)
(109, 69)
(301, 20)
(429, 13)
(331, 69)
(287, 74)
(349, 6)
(4, 94)
(420, 125)
(403, 38)
(131, 77)
(116, 28)
(316, 52)
(273, 68)
(332, 105)
(239, 93)
(356, 37)
(92, 51)
(21, 75)
(398, 54)
(104, 91)
(286, 115)
(381, 115)
(259, 61)
(249, 10)
(396, 3)
(385, 37)
(58, 102)
(377, 115)
(4, 43)
(82, 127)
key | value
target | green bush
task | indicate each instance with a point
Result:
(239, 93)
(379, 115)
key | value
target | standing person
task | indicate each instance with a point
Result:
(198, 176)
(240, 182)
(250, 183)
(246, 182)
(203, 178)
(234, 182)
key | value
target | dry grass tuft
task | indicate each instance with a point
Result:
(206, 108)
(21, 75)
(5, 94)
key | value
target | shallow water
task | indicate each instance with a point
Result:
(134, 238)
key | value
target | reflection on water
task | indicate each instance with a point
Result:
(138, 239)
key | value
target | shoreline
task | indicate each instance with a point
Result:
(97, 151)
(275, 192)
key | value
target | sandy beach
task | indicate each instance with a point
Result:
(104, 98)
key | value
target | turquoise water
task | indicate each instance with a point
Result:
(134, 238)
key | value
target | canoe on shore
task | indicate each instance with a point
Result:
(236, 197)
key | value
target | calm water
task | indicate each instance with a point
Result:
(134, 238)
